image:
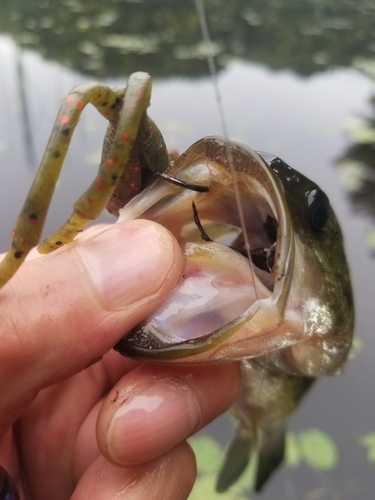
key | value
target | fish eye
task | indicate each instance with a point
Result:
(318, 205)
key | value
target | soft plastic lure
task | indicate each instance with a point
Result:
(132, 142)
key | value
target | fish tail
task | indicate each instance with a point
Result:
(270, 455)
(269, 447)
(236, 459)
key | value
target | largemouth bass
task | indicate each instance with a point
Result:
(288, 316)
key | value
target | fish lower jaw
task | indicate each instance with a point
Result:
(258, 331)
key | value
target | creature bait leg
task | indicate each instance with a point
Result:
(91, 204)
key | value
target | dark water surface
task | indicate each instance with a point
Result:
(303, 119)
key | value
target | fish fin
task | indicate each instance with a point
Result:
(270, 455)
(235, 462)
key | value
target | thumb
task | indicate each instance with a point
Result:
(62, 312)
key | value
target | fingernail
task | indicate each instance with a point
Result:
(151, 423)
(128, 262)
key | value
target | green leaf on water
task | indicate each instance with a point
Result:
(360, 132)
(368, 442)
(318, 449)
(370, 238)
(357, 347)
(208, 452)
(292, 450)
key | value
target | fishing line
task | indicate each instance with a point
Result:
(213, 72)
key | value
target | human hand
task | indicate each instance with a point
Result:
(75, 427)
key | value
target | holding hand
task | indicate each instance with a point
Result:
(73, 426)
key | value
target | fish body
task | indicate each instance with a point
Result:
(288, 316)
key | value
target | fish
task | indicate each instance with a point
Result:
(266, 282)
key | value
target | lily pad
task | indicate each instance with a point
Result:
(368, 442)
(292, 450)
(318, 449)
(208, 452)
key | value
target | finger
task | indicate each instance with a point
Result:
(153, 408)
(64, 311)
(169, 477)
(71, 408)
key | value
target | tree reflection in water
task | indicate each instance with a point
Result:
(163, 36)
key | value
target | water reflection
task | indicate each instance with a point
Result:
(163, 36)
(357, 166)
(299, 119)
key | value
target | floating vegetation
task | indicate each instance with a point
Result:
(312, 447)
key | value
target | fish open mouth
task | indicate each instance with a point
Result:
(220, 291)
